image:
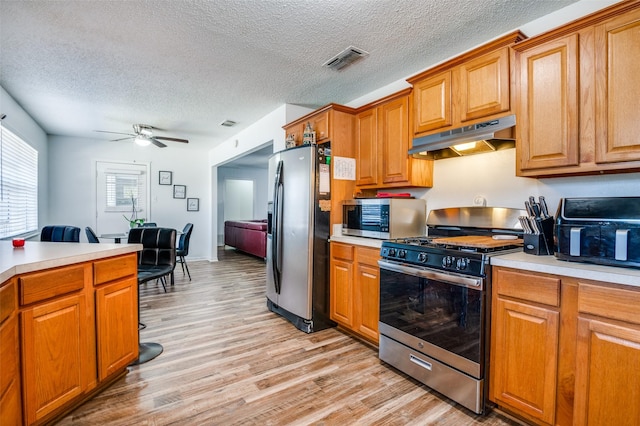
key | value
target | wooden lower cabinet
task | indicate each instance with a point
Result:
(608, 351)
(565, 351)
(355, 289)
(64, 339)
(117, 326)
(58, 362)
(524, 350)
(10, 384)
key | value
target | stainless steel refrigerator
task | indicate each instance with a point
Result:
(298, 236)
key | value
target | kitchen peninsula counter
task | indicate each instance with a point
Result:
(68, 325)
(36, 255)
(551, 265)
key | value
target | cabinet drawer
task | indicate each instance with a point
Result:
(7, 300)
(368, 256)
(609, 302)
(45, 285)
(114, 268)
(528, 286)
(342, 251)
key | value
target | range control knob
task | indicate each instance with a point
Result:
(392, 252)
(402, 254)
(422, 257)
(462, 263)
(448, 261)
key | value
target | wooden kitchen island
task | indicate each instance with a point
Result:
(68, 325)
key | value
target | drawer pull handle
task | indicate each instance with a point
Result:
(422, 363)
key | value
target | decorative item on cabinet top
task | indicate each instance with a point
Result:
(309, 136)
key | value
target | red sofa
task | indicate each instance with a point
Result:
(249, 236)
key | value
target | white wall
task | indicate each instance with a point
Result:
(21, 123)
(72, 184)
(458, 181)
(259, 178)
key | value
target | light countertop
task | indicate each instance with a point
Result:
(36, 255)
(551, 265)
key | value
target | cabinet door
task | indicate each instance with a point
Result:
(394, 128)
(320, 125)
(607, 374)
(548, 106)
(367, 148)
(484, 86)
(10, 401)
(525, 356)
(57, 356)
(341, 284)
(367, 288)
(117, 326)
(618, 89)
(432, 103)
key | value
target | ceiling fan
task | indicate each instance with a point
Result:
(143, 136)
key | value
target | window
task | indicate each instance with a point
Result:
(125, 191)
(18, 185)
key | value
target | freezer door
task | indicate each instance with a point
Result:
(290, 247)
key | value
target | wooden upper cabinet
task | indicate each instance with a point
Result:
(432, 103)
(485, 86)
(578, 88)
(366, 144)
(465, 90)
(548, 105)
(617, 63)
(394, 134)
(382, 140)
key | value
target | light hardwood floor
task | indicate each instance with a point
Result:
(227, 360)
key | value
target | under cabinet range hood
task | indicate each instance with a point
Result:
(477, 138)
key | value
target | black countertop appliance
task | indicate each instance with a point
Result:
(602, 230)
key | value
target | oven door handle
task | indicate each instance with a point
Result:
(457, 279)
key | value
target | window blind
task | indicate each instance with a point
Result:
(18, 185)
(124, 190)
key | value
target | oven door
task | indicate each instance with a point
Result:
(436, 313)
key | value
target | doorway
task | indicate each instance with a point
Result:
(238, 199)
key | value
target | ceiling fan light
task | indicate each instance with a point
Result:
(142, 141)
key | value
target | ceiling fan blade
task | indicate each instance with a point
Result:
(115, 133)
(121, 139)
(171, 139)
(157, 143)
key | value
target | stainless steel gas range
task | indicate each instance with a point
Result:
(435, 297)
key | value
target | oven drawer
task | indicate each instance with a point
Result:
(463, 389)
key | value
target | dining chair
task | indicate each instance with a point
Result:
(91, 236)
(60, 233)
(183, 248)
(156, 261)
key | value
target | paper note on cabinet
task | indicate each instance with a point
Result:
(344, 168)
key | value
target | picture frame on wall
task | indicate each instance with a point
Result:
(193, 204)
(165, 177)
(179, 191)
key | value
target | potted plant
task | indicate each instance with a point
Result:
(134, 221)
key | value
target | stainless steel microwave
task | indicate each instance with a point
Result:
(384, 218)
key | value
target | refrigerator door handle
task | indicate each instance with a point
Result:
(276, 244)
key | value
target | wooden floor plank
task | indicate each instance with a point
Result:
(227, 360)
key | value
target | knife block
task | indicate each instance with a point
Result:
(540, 244)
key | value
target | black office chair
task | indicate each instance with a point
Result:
(149, 225)
(60, 233)
(91, 236)
(183, 248)
(156, 261)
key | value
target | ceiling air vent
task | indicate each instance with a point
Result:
(345, 58)
(228, 123)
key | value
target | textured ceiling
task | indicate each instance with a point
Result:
(186, 66)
